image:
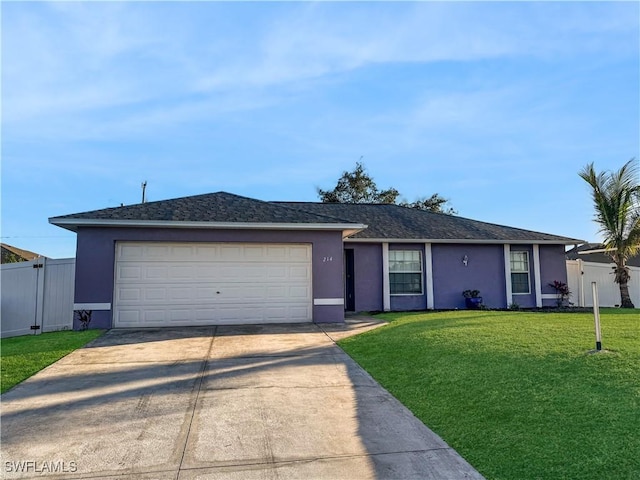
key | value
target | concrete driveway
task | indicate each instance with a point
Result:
(247, 402)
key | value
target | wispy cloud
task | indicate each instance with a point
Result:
(78, 59)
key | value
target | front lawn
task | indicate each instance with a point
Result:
(515, 393)
(23, 356)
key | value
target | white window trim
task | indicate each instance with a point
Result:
(507, 273)
(528, 272)
(536, 275)
(421, 272)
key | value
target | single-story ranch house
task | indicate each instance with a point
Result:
(222, 259)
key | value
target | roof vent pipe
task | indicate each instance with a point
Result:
(144, 189)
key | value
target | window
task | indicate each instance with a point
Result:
(520, 272)
(405, 272)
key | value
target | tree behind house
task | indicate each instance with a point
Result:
(358, 187)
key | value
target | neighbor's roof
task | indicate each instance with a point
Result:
(388, 221)
(221, 210)
(582, 253)
(364, 222)
(20, 252)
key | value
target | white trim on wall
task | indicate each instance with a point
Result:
(536, 275)
(328, 301)
(507, 273)
(549, 296)
(386, 289)
(92, 306)
(428, 272)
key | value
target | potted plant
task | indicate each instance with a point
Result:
(472, 299)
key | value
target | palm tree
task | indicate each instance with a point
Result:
(616, 198)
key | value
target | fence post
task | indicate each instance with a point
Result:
(596, 315)
(580, 283)
(39, 265)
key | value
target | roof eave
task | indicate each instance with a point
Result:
(74, 223)
(597, 250)
(566, 241)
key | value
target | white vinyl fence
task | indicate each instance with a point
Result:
(580, 275)
(38, 293)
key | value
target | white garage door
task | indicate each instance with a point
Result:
(167, 284)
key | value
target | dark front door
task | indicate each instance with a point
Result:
(349, 282)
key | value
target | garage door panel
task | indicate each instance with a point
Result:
(277, 293)
(181, 272)
(253, 253)
(178, 315)
(223, 294)
(207, 284)
(276, 272)
(156, 251)
(152, 272)
(228, 314)
(231, 253)
(299, 292)
(133, 273)
(183, 252)
(129, 316)
(129, 294)
(131, 251)
(205, 293)
(204, 272)
(299, 272)
(181, 295)
(155, 294)
(206, 253)
(278, 253)
(299, 253)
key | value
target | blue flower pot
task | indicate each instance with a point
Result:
(473, 303)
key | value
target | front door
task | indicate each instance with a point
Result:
(349, 281)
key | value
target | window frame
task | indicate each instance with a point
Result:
(527, 271)
(421, 272)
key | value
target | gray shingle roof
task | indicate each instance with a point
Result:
(219, 207)
(384, 221)
(396, 222)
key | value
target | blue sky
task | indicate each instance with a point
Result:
(493, 105)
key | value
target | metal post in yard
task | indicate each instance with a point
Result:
(596, 315)
(38, 264)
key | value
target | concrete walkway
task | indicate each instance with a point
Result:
(246, 402)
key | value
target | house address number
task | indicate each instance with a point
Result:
(327, 259)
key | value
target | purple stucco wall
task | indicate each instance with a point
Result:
(553, 266)
(95, 257)
(484, 271)
(368, 276)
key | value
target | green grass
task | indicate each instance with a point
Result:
(515, 393)
(23, 356)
